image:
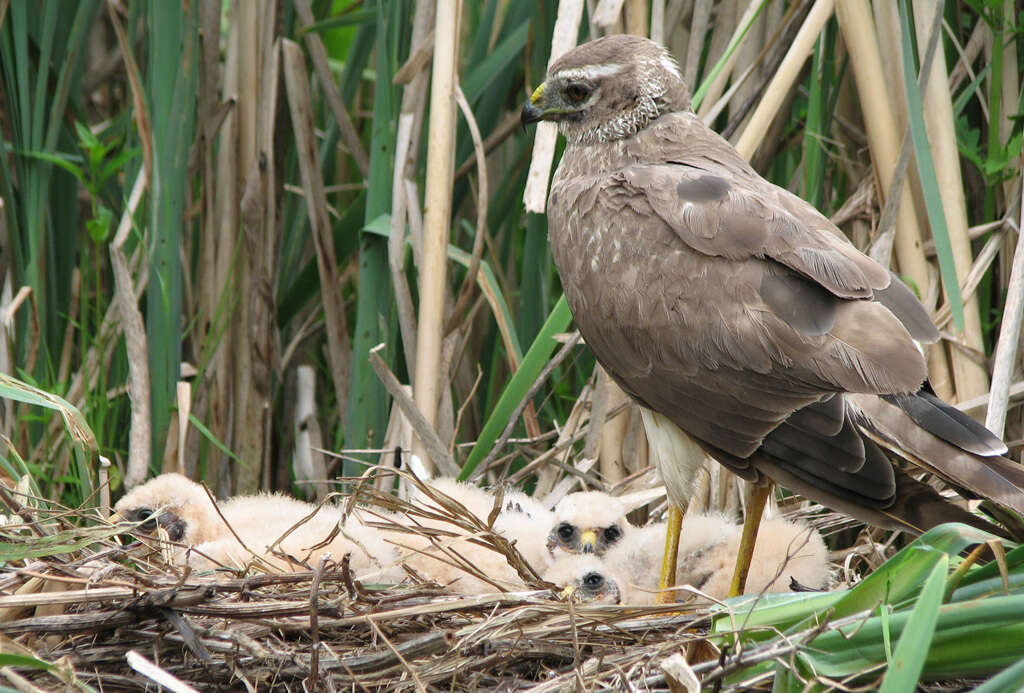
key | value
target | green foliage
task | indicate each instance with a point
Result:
(942, 623)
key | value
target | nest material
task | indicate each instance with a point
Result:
(110, 617)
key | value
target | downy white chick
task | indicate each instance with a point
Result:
(176, 503)
(259, 521)
(594, 522)
(587, 522)
(588, 578)
(707, 556)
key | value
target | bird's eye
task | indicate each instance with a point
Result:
(577, 91)
(593, 581)
(612, 534)
(565, 531)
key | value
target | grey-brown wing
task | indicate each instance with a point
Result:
(727, 348)
(719, 215)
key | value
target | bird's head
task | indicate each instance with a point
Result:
(591, 522)
(173, 502)
(585, 579)
(608, 89)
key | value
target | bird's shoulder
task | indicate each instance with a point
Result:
(679, 173)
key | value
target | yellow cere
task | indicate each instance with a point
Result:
(537, 93)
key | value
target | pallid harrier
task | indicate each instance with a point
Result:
(731, 309)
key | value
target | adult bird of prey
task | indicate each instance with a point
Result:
(733, 310)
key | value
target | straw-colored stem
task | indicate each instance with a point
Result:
(969, 376)
(410, 124)
(567, 25)
(748, 53)
(658, 21)
(1009, 338)
(858, 30)
(605, 14)
(777, 90)
(438, 202)
(636, 17)
(714, 92)
(251, 324)
(613, 435)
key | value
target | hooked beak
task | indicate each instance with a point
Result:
(567, 592)
(115, 517)
(532, 113)
(588, 539)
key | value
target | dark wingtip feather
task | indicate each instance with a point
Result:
(949, 423)
(921, 506)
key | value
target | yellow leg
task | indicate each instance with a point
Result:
(750, 525)
(668, 563)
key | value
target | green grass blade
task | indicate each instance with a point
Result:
(492, 292)
(909, 657)
(974, 638)
(55, 544)
(926, 169)
(17, 660)
(351, 18)
(1006, 681)
(208, 434)
(367, 400)
(895, 581)
(305, 286)
(12, 388)
(520, 383)
(477, 80)
(172, 79)
(901, 576)
(815, 130)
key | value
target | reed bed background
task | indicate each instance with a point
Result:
(236, 235)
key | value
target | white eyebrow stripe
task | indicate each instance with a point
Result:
(590, 71)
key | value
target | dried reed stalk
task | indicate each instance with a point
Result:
(859, 34)
(254, 329)
(567, 25)
(140, 435)
(1009, 337)
(437, 203)
(300, 103)
(785, 76)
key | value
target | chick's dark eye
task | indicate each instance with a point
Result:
(593, 581)
(577, 91)
(565, 531)
(612, 534)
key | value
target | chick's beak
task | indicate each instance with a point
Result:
(588, 540)
(533, 113)
(567, 592)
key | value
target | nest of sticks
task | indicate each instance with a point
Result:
(82, 609)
